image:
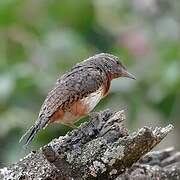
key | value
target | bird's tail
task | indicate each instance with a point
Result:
(30, 134)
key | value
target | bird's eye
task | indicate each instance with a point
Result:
(118, 62)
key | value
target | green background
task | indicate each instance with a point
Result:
(40, 40)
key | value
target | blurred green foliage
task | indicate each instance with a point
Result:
(40, 40)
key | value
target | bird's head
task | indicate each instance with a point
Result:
(113, 67)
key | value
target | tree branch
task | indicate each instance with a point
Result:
(163, 164)
(99, 149)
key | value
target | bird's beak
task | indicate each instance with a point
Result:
(128, 75)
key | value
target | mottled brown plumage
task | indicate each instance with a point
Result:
(77, 92)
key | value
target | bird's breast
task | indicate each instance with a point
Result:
(78, 109)
(93, 99)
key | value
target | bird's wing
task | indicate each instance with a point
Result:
(70, 88)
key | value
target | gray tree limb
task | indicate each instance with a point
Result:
(163, 164)
(99, 149)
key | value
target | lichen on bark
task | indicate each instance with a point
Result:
(99, 149)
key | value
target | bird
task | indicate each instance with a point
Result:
(77, 92)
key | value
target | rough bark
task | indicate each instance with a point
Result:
(100, 149)
(157, 165)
